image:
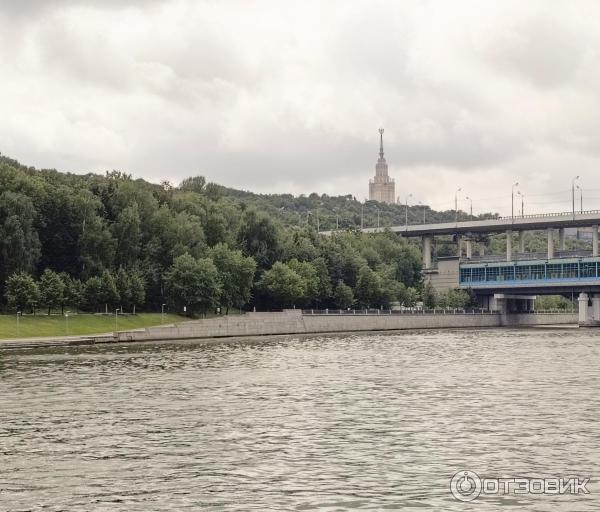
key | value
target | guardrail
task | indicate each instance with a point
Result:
(524, 256)
(544, 215)
(405, 311)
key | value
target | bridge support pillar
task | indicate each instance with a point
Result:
(550, 243)
(521, 241)
(596, 307)
(509, 245)
(561, 238)
(469, 249)
(583, 308)
(459, 246)
(427, 251)
(595, 240)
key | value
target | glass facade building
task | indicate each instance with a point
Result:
(534, 272)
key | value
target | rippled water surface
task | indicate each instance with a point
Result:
(369, 422)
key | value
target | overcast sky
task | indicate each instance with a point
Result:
(281, 96)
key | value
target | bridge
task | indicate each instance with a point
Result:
(512, 281)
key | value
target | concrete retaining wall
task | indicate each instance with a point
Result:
(293, 322)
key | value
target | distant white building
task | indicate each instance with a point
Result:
(382, 188)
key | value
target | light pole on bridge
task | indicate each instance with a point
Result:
(471, 206)
(512, 207)
(573, 193)
(580, 199)
(456, 204)
(406, 210)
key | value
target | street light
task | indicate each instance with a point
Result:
(67, 322)
(519, 193)
(512, 207)
(580, 199)
(18, 325)
(456, 204)
(471, 207)
(573, 193)
(116, 320)
(406, 211)
(162, 313)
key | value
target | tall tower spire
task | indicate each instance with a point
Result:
(382, 187)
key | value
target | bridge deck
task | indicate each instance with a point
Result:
(501, 224)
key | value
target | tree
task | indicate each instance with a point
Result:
(109, 295)
(429, 296)
(73, 295)
(127, 231)
(343, 296)
(308, 273)
(52, 290)
(19, 241)
(193, 284)
(236, 273)
(22, 292)
(368, 287)
(282, 285)
(92, 293)
(137, 289)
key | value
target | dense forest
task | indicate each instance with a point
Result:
(99, 242)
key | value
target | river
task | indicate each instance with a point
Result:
(370, 422)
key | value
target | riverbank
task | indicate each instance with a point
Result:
(48, 326)
(295, 322)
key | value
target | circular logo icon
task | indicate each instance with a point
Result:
(465, 485)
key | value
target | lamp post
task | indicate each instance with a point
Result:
(67, 322)
(406, 210)
(471, 206)
(116, 320)
(573, 193)
(162, 313)
(580, 199)
(519, 193)
(512, 207)
(456, 204)
(18, 325)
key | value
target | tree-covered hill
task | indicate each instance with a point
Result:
(96, 242)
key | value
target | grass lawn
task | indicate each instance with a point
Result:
(31, 326)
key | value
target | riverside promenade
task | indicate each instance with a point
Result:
(296, 321)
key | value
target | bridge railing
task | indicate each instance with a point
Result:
(521, 256)
(545, 215)
(403, 311)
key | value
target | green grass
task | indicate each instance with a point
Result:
(31, 326)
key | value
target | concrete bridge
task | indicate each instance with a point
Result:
(511, 282)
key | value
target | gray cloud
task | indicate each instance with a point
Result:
(287, 97)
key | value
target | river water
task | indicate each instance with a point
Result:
(370, 422)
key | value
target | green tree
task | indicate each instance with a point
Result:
(429, 296)
(52, 290)
(73, 296)
(137, 289)
(282, 285)
(193, 284)
(127, 231)
(343, 296)
(236, 273)
(368, 288)
(22, 292)
(92, 293)
(109, 294)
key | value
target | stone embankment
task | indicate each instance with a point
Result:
(295, 322)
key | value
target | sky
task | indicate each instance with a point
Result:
(287, 97)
